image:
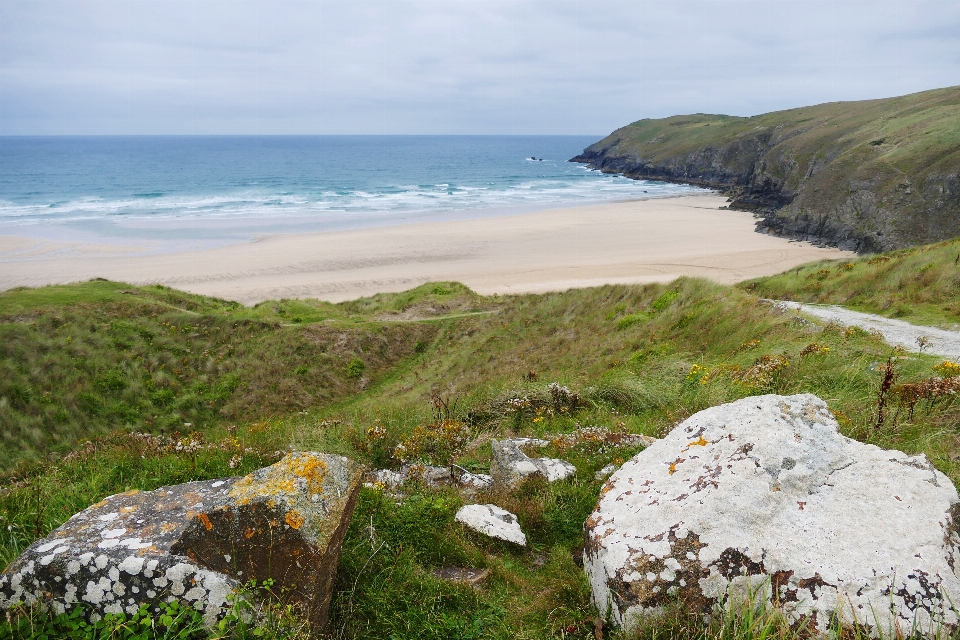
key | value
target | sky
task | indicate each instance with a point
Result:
(451, 66)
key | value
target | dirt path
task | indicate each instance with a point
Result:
(896, 332)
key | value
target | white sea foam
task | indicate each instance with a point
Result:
(400, 198)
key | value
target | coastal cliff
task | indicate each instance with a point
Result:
(868, 176)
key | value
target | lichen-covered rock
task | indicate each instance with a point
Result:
(510, 466)
(197, 543)
(491, 520)
(764, 498)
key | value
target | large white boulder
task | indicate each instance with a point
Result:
(763, 498)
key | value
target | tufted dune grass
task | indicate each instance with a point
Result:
(639, 359)
(920, 285)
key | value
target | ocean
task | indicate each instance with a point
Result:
(194, 191)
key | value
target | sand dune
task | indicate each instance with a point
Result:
(628, 242)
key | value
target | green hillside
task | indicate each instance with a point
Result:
(870, 175)
(361, 377)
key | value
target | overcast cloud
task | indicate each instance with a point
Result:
(470, 66)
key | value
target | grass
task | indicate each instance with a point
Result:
(920, 285)
(87, 359)
(872, 174)
(444, 370)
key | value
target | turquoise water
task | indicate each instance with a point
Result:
(226, 188)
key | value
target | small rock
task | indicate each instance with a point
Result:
(555, 469)
(476, 480)
(429, 475)
(530, 442)
(606, 472)
(642, 439)
(492, 521)
(472, 577)
(197, 543)
(385, 478)
(510, 466)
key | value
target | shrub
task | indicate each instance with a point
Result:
(355, 368)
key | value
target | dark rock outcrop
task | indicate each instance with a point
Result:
(198, 543)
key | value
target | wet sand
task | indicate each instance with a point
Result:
(625, 242)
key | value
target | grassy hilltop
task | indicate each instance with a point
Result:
(99, 380)
(871, 175)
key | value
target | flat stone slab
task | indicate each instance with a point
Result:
(197, 542)
(491, 520)
(763, 496)
(473, 577)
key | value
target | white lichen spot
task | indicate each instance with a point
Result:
(50, 545)
(132, 565)
(134, 543)
(101, 561)
(119, 588)
(73, 567)
(113, 533)
(107, 517)
(85, 558)
(195, 594)
(108, 543)
(217, 483)
(114, 573)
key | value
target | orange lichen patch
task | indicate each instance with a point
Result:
(699, 442)
(249, 533)
(167, 527)
(274, 523)
(205, 520)
(281, 479)
(673, 465)
(99, 504)
(132, 492)
(294, 519)
(129, 509)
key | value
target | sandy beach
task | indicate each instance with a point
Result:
(624, 242)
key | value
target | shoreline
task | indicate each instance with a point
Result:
(637, 241)
(145, 235)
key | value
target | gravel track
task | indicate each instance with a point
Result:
(897, 332)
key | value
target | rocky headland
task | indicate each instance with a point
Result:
(871, 175)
